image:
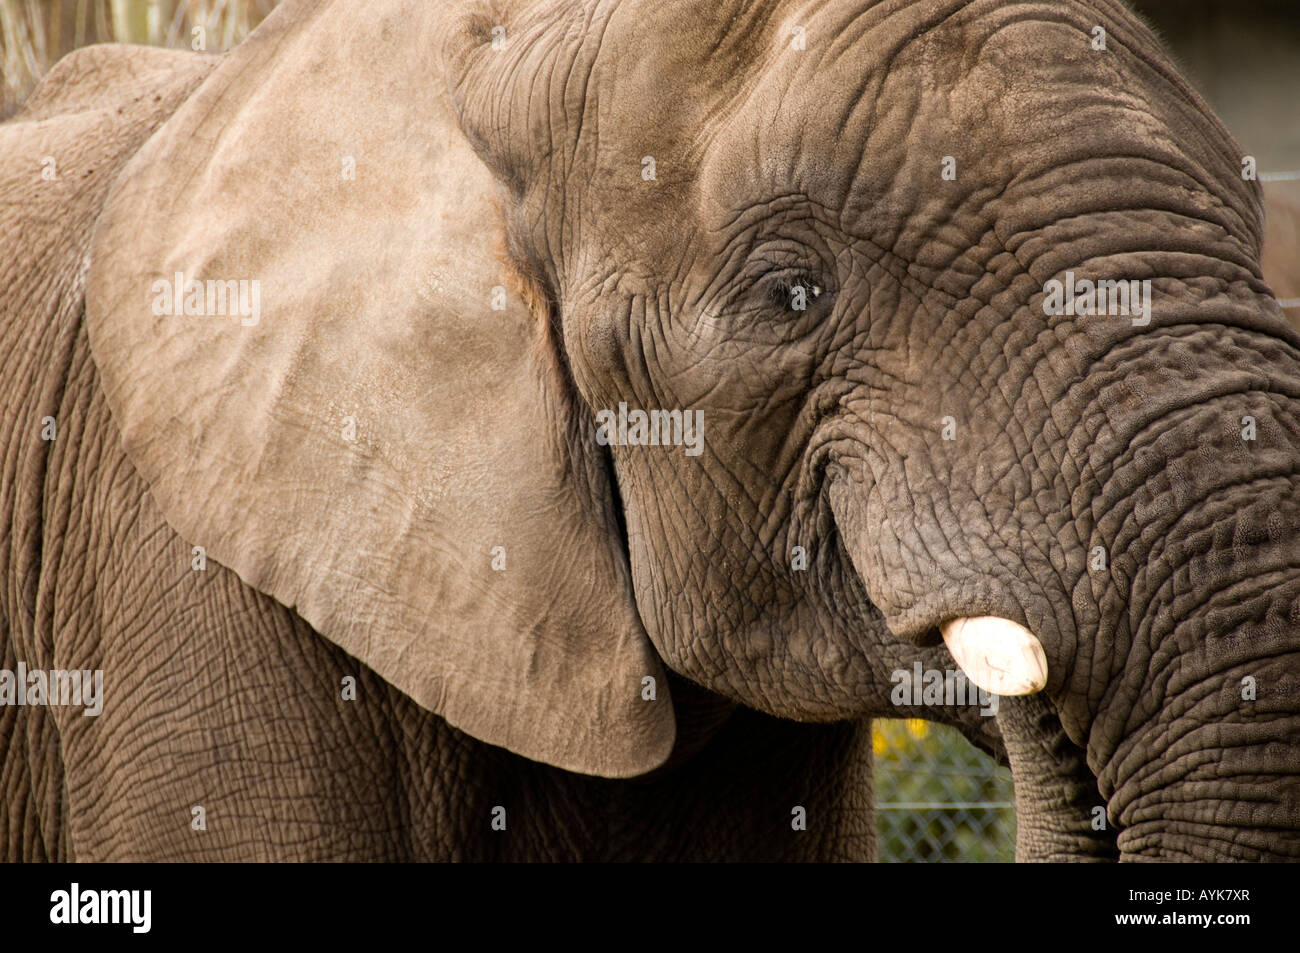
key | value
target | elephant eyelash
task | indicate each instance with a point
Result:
(782, 292)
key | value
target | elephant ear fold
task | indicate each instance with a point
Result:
(330, 378)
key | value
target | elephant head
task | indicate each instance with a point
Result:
(590, 336)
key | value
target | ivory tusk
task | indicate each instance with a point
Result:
(998, 655)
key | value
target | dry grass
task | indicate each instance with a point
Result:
(34, 34)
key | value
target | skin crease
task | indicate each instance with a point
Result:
(823, 430)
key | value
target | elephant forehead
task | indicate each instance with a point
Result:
(892, 115)
(727, 104)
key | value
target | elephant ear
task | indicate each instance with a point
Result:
(381, 436)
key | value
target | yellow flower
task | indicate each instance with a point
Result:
(918, 728)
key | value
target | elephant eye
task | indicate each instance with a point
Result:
(795, 293)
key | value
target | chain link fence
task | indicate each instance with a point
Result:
(938, 799)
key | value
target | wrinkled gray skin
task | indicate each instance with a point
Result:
(1072, 433)
(824, 430)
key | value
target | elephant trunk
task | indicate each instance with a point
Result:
(1060, 816)
(1162, 581)
(1205, 764)
(1193, 620)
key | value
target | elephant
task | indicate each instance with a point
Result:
(539, 430)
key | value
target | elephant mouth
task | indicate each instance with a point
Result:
(999, 629)
(991, 633)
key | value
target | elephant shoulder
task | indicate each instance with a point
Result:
(60, 155)
(116, 76)
(62, 150)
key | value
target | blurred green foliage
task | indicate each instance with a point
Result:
(939, 799)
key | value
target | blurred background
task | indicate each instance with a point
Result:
(35, 33)
(938, 798)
